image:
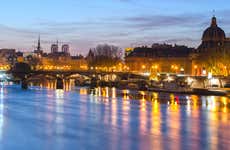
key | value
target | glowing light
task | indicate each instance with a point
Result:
(83, 91)
(195, 66)
(143, 66)
(204, 72)
(189, 80)
(146, 73)
(209, 75)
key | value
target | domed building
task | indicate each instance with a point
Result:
(213, 38)
(213, 53)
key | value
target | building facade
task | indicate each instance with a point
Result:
(160, 58)
(212, 55)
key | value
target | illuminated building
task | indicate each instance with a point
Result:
(212, 55)
(214, 51)
(213, 38)
(7, 58)
(160, 58)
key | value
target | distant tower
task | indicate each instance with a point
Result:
(65, 48)
(39, 44)
(54, 48)
(38, 48)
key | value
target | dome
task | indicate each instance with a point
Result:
(213, 33)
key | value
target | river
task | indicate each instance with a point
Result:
(45, 118)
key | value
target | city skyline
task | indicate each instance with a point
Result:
(124, 23)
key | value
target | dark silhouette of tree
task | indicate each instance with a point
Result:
(21, 70)
(104, 56)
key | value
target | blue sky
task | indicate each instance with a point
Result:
(85, 23)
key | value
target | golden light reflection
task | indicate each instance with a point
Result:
(143, 105)
(211, 103)
(175, 123)
(194, 101)
(83, 91)
(143, 95)
(50, 85)
(156, 124)
(114, 94)
(125, 94)
(143, 118)
(156, 106)
(213, 128)
(174, 102)
(224, 100)
(155, 96)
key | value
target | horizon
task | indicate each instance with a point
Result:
(124, 23)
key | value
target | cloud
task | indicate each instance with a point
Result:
(159, 21)
(123, 31)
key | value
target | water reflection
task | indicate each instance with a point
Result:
(181, 120)
(211, 103)
(129, 119)
(59, 111)
(68, 85)
(108, 118)
(174, 101)
(1, 112)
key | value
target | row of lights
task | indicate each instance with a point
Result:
(50, 67)
(114, 68)
(4, 67)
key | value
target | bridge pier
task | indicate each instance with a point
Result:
(60, 83)
(24, 84)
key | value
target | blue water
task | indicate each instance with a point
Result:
(54, 119)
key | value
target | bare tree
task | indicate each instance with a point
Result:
(105, 55)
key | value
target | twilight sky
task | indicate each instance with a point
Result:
(85, 23)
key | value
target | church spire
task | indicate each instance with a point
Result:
(39, 43)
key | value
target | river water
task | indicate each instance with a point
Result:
(42, 118)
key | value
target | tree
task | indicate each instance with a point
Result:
(104, 56)
(21, 70)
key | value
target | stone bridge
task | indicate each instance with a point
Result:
(60, 76)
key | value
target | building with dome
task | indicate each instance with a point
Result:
(214, 38)
(213, 54)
